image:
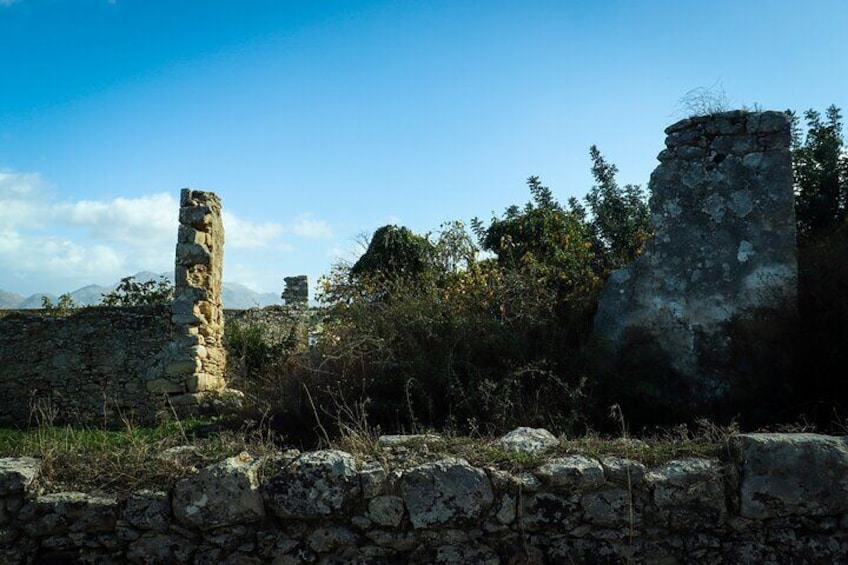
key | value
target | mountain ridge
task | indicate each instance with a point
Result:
(234, 295)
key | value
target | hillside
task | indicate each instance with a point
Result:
(236, 296)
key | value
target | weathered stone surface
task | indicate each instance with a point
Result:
(156, 548)
(373, 478)
(622, 471)
(322, 540)
(18, 475)
(680, 512)
(793, 474)
(688, 493)
(64, 512)
(405, 440)
(575, 472)
(611, 508)
(386, 511)
(531, 441)
(219, 495)
(507, 509)
(466, 553)
(148, 510)
(315, 484)
(446, 492)
(546, 510)
(724, 244)
(296, 291)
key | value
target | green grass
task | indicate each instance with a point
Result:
(121, 461)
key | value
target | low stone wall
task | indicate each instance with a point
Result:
(94, 364)
(782, 499)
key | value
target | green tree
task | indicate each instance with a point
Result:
(64, 304)
(820, 168)
(131, 292)
(621, 221)
(394, 252)
(543, 238)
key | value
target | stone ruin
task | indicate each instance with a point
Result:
(722, 209)
(107, 363)
(197, 309)
(296, 291)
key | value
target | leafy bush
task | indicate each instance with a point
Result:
(64, 305)
(131, 292)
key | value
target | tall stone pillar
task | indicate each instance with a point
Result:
(722, 208)
(197, 310)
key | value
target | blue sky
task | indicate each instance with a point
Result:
(318, 121)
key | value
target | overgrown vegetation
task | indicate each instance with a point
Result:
(478, 332)
(124, 460)
(474, 331)
(820, 160)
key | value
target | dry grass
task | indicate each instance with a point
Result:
(132, 458)
(121, 461)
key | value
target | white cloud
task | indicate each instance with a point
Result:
(306, 227)
(243, 234)
(7, 2)
(126, 220)
(52, 244)
(19, 196)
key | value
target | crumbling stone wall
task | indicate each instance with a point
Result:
(296, 291)
(779, 499)
(101, 364)
(95, 365)
(722, 208)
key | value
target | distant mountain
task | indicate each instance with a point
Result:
(235, 296)
(10, 299)
(90, 295)
(35, 300)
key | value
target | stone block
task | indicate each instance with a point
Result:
(447, 492)
(203, 382)
(18, 475)
(575, 472)
(182, 367)
(148, 510)
(164, 386)
(189, 235)
(688, 494)
(793, 475)
(531, 441)
(197, 217)
(317, 484)
(193, 254)
(222, 494)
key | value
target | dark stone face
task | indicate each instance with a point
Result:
(297, 290)
(724, 247)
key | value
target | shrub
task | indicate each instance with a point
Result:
(131, 292)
